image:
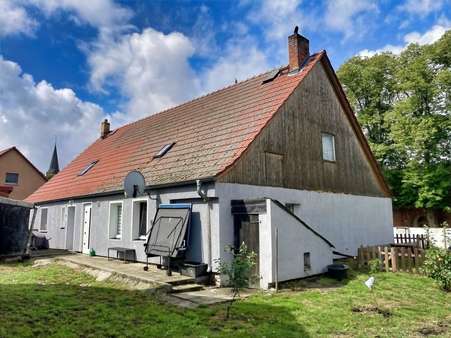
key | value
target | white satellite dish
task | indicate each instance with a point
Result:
(134, 184)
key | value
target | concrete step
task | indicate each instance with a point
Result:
(186, 288)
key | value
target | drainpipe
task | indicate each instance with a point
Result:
(203, 195)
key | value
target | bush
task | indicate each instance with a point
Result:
(437, 265)
(374, 266)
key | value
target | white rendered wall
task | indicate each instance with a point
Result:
(294, 239)
(440, 237)
(347, 221)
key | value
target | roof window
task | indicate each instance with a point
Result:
(164, 150)
(88, 167)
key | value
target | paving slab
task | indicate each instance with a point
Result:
(209, 296)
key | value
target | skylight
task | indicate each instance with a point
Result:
(88, 167)
(164, 150)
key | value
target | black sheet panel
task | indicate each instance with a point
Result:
(168, 236)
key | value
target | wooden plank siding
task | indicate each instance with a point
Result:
(291, 142)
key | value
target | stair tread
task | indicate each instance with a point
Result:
(186, 288)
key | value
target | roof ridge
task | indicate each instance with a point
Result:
(204, 95)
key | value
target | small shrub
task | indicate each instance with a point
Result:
(238, 271)
(374, 266)
(437, 265)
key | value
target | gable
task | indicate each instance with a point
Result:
(294, 133)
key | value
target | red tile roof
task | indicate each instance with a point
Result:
(210, 134)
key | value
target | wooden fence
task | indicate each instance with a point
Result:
(420, 241)
(392, 258)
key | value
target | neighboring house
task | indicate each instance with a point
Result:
(278, 161)
(419, 217)
(18, 176)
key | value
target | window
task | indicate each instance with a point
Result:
(44, 213)
(116, 220)
(12, 178)
(87, 168)
(328, 142)
(307, 265)
(164, 150)
(139, 219)
(63, 217)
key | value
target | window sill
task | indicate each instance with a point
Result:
(329, 161)
(43, 231)
(140, 239)
(116, 238)
(11, 184)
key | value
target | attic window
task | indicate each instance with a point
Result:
(88, 167)
(164, 150)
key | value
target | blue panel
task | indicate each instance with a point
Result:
(175, 206)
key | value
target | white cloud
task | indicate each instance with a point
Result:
(350, 17)
(421, 8)
(151, 69)
(102, 14)
(241, 59)
(430, 36)
(14, 19)
(33, 114)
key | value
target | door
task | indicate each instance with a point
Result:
(86, 227)
(70, 228)
(247, 231)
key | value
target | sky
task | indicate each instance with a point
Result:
(65, 65)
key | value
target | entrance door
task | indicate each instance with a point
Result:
(247, 231)
(70, 228)
(86, 227)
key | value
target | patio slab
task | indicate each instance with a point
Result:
(132, 271)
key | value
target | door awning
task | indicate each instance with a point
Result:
(170, 230)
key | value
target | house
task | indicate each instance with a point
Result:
(278, 161)
(18, 176)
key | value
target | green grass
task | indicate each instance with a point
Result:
(57, 301)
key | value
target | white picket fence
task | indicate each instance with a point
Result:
(440, 237)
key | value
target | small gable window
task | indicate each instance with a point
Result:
(164, 150)
(12, 178)
(328, 144)
(87, 168)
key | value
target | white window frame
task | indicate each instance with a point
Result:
(334, 156)
(134, 226)
(112, 233)
(63, 217)
(46, 221)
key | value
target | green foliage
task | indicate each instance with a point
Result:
(403, 104)
(237, 271)
(374, 266)
(437, 265)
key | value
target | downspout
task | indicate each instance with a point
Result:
(203, 194)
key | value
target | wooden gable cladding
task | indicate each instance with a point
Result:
(291, 144)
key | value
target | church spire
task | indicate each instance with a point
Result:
(54, 166)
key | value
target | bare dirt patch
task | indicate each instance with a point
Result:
(367, 309)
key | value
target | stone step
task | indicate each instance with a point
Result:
(186, 288)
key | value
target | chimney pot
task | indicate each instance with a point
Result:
(104, 128)
(298, 50)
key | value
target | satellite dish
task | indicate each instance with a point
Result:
(134, 184)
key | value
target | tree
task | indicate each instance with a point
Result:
(403, 104)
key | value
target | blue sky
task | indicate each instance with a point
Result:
(67, 64)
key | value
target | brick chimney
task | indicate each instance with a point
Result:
(104, 128)
(298, 50)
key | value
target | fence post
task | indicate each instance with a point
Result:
(409, 259)
(394, 256)
(386, 262)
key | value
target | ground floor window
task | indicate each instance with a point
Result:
(139, 219)
(307, 265)
(44, 216)
(116, 220)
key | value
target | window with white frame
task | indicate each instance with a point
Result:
(44, 216)
(63, 217)
(328, 143)
(139, 219)
(116, 220)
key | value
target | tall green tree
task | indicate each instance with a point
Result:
(403, 105)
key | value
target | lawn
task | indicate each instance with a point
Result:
(54, 300)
